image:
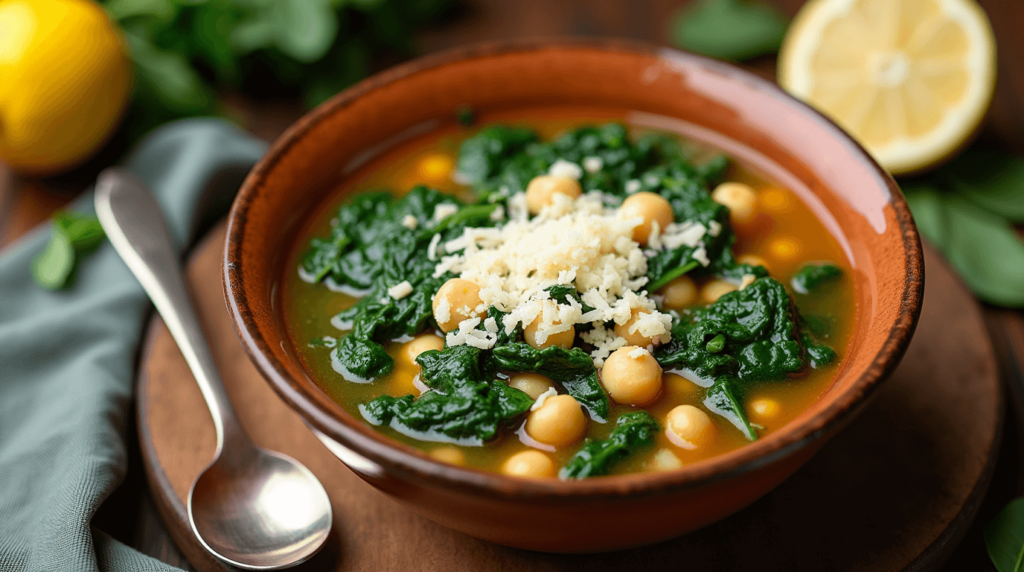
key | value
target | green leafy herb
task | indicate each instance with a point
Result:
(466, 403)
(982, 246)
(748, 335)
(73, 236)
(1004, 537)
(729, 29)
(572, 368)
(633, 431)
(185, 51)
(813, 276)
(723, 399)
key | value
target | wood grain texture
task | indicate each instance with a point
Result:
(896, 490)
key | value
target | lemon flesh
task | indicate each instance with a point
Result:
(909, 79)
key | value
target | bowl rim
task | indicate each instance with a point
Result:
(404, 461)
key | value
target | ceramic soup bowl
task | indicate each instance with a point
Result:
(747, 117)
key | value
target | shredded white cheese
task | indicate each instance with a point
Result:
(498, 213)
(467, 334)
(400, 290)
(632, 186)
(638, 353)
(432, 249)
(575, 242)
(714, 228)
(701, 255)
(444, 211)
(592, 164)
(542, 398)
(410, 222)
(563, 168)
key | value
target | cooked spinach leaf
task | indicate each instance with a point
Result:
(813, 276)
(572, 368)
(749, 335)
(633, 431)
(371, 249)
(466, 402)
(722, 399)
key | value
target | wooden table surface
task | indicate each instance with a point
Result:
(129, 514)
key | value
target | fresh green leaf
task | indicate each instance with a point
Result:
(83, 230)
(991, 178)
(633, 431)
(986, 252)
(813, 276)
(1004, 537)
(729, 29)
(53, 267)
(304, 29)
(167, 77)
(929, 212)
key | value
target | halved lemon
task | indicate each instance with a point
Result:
(909, 79)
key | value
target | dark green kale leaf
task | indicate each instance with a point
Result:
(466, 402)
(633, 431)
(572, 368)
(813, 276)
(722, 399)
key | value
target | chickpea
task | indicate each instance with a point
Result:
(739, 197)
(420, 344)
(532, 384)
(784, 248)
(631, 380)
(541, 190)
(679, 294)
(764, 409)
(689, 427)
(559, 422)
(529, 464)
(459, 294)
(635, 338)
(649, 206)
(664, 460)
(715, 289)
(449, 454)
(436, 167)
(561, 339)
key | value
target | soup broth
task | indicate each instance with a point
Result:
(779, 233)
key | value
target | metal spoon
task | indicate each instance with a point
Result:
(250, 507)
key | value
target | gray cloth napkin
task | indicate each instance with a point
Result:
(67, 361)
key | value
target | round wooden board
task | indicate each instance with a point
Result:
(895, 490)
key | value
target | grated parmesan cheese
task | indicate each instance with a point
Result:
(444, 211)
(701, 255)
(432, 249)
(638, 353)
(592, 164)
(467, 334)
(410, 222)
(632, 186)
(542, 398)
(578, 242)
(714, 228)
(400, 290)
(563, 168)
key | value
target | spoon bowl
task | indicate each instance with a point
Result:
(259, 510)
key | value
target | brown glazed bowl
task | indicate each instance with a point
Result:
(748, 117)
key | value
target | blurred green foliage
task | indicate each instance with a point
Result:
(729, 29)
(187, 50)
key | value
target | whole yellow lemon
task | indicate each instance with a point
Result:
(65, 78)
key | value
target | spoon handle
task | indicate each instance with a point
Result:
(134, 223)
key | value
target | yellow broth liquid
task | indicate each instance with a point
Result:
(784, 234)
